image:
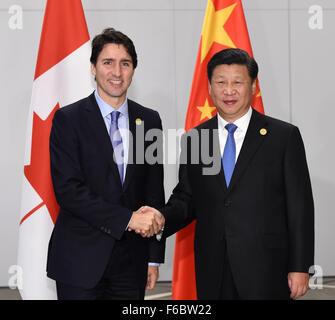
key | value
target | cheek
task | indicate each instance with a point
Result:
(130, 77)
(215, 94)
(213, 98)
(246, 94)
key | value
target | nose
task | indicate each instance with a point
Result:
(229, 89)
(116, 71)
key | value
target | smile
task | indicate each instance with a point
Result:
(115, 82)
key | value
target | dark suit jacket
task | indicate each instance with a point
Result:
(95, 208)
(266, 216)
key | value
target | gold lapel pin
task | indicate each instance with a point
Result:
(138, 121)
(263, 132)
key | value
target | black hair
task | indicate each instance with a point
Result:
(233, 56)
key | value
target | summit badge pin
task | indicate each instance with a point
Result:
(263, 132)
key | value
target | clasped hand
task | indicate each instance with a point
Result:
(146, 221)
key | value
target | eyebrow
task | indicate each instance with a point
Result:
(112, 59)
(234, 77)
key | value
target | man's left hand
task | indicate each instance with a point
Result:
(153, 274)
(298, 284)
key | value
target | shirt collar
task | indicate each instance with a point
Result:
(106, 109)
(241, 123)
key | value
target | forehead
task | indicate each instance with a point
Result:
(114, 51)
(235, 70)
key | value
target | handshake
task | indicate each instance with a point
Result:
(146, 221)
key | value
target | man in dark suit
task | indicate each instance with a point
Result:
(100, 185)
(253, 206)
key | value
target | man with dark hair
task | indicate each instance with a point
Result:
(254, 233)
(93, 254)
(110, 35)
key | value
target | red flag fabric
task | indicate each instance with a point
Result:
(62, 76)
(224, 27)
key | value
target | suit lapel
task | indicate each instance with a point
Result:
(252, 141)
(214, 149)
(97, 126)
(133, 115)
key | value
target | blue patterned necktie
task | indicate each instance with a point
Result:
(116, 140)
(229, 153)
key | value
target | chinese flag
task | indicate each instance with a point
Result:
(62, 76)
(224, 27)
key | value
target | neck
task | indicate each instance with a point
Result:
(232, 118)
(114, 102)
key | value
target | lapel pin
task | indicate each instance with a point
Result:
(263, 132)
(138, 121)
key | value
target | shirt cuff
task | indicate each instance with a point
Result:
(153, 264)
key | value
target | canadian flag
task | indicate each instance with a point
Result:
(62, 76)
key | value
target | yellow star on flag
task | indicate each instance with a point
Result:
(213, 30)
(206, 111)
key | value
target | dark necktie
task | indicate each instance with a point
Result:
(229, 153)
(116, 140)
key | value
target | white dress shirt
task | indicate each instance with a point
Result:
(123, 124)
(242, 127)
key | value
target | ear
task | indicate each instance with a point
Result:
(93, 69)
(209, 88)
(254, 86)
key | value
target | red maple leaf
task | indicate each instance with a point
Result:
(38, 171)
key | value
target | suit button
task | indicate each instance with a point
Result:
(227, 203)
(104, 229)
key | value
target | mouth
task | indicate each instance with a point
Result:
(115, 82)
(230, 102)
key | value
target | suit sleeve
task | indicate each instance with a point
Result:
(300, 206)
(179, 211)
(72, 192)
(155, 196)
